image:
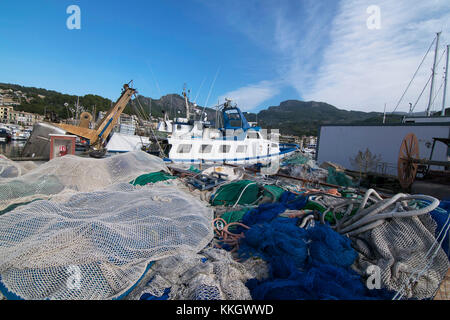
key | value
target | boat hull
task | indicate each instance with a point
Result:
(262, 159)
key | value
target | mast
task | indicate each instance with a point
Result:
(186, 101)
(445, 83)
(150, 110)
(433, 74)
(76, 111)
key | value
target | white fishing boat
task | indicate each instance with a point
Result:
(18, 135)
(235, 142)
(5, 133)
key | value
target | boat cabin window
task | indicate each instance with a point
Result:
(241, 149)
(252, 135)
(224, 148)
(274, 145)
(184, 148)
(234, 118)
(205, 148)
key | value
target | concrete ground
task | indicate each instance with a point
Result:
(439, 191)
(444, 290)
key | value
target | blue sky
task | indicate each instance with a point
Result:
(263, 52)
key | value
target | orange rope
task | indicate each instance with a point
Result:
(227, 237)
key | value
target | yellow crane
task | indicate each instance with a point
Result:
(101, 131)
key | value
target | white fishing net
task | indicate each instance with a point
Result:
(401, 248)
(13, 169)
(98, 245)
(73, 173)
(212, 274)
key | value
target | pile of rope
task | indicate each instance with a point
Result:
(401, 236)
(225, 236)
(306, 260)
(404, 233)
(212, 274)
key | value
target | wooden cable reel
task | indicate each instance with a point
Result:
(407, 168)
(85, 120)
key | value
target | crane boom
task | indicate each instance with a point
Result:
(103, 129)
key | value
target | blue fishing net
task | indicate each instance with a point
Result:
(148, 296)
(268, 211)
(310, 264)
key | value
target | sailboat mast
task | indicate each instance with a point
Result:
(445, 83)
(433, 74)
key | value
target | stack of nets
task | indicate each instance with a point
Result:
(339, 178)
(405, 237)
(212, 274)
(305, 261)
(313, 263)
(97, 245)
(153, 177)
(73, 174)
(410, 259)
(11, 169)
(245, 192)
(301, 166)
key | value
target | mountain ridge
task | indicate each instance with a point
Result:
(293, 117)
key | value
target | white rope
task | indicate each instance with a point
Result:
(374, 215)
(242, 193)
(446, 226)
(415, 73)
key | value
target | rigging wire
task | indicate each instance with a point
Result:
(198, 92)
(437, 64)
(209, 93)
(420, 95)
(437, 92)
(415, 73)
(154, 136)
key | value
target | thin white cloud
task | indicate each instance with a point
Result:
(293, 31)
(364, 69)
(252, 96)
(300, 35)
(329, 54)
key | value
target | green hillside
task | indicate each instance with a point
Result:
(290, 117)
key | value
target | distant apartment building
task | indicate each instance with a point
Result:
(123, 119)
(9, 115)
(4, 113)
(309, 141)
